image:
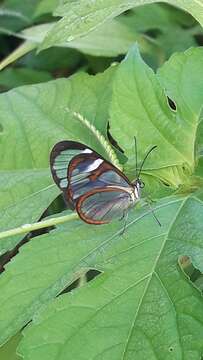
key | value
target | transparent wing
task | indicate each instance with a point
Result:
(102, 205)
(81, 182)
(60, 157)
(77, 169)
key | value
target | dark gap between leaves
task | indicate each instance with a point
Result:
(11, 45)
(154, 33)
(199, 39)
(6, 257)
(112, 140)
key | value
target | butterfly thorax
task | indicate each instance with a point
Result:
(134, 192)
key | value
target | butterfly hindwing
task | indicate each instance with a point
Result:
(102, 205)
(87, 179)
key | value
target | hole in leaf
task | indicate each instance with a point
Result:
(70, 287)
(194, 274)
(170, 349)
(154, 33)
(112, 140)
(127, 12)
(171, 104)
(199, 40)
(165, 184)
(89, 276)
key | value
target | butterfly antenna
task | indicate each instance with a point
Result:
(136, 156)
(145, 158)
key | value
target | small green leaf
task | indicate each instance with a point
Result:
(23, 49)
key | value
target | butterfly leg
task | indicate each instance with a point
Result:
(149, 201)
(125, 217)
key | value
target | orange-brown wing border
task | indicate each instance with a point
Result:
(86, 195)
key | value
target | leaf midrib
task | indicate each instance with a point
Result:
(136, 283)
(150, 277)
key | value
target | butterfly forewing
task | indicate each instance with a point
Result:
(60, 157)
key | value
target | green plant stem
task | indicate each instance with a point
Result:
(16, 54)
(26, 228)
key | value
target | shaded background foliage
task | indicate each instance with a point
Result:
(160, 30)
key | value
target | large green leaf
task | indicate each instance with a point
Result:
(83, 16)
(112, 39)
(176, 76)
(140, 102)
(142, 303)
(32, 119)
(10, 78)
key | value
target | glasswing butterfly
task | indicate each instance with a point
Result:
(95, 188)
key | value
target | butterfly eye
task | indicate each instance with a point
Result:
(142, 184)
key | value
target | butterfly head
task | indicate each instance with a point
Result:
(138, 184)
